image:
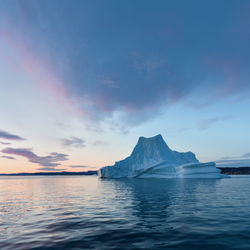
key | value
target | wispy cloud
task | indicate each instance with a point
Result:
(110, 83)
(246, 155)
(82, 166)
(205, 124)
(5, 143)
(51, 160)
(100, 143)
(73, 142)
(198, 105)
(8, 157)
(9, 136)
(51, 169)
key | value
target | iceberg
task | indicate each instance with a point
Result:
(152, 158)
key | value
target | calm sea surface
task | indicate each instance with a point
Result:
(84, 212)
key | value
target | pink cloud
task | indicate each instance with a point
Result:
(39, 70)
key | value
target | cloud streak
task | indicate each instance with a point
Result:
(82, 166)
(246, 155)
(206, 123)
(51, 169)
(100, 143)
(8, 157)
(5, 143)
(51, 160)
(75, 142)
(9, 136)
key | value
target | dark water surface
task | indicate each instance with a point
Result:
(84, 212)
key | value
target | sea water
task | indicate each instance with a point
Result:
(84, 212)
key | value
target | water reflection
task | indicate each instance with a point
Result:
(155, 202)
(87, 212)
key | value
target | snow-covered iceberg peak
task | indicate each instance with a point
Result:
(152, 157)
(155, 149)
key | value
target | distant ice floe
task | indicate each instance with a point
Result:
(152, 158)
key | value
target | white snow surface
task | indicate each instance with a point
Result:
(152, 158)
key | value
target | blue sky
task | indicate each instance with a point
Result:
(82, 80)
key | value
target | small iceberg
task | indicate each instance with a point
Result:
(152, 158)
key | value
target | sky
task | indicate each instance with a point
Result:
(82, 80)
